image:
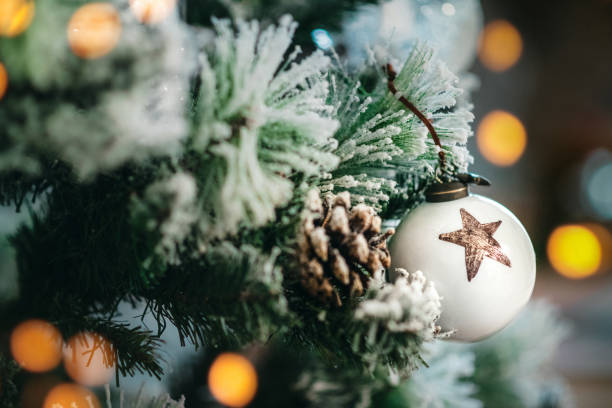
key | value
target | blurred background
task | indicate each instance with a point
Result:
(540, 78)
(548, 65)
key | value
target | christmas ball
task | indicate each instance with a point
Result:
(89, 359)
(476, 252)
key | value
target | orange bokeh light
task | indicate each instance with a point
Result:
(89, 359)
(71, 396)
(232, 380)
(574, 251)
(501, 138)
(36, 345)
(3, 80)
(94, 30)
(500, 45)
(15, 16)
(152, 11)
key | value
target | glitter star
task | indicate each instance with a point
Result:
(478, 241)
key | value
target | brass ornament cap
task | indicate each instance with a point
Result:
(477, 254)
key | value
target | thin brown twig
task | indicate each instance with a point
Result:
(391, 74)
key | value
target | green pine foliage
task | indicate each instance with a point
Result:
(259, 119)
(386, 153)
(173, 173)
(8, 387)
(139, 400)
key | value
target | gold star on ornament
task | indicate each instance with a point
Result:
(478, 241)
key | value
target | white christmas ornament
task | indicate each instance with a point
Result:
(477, 254)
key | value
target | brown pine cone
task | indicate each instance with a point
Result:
(340, 247)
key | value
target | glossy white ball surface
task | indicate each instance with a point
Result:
(478, 308)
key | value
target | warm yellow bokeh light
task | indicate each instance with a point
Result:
(501, 138)
(71, 396)
(36, 345)
(15, 16)
(232, 380)
(94, 30)
(3, 80)
(574, 251)
(500, 45)
(152, 11)
(89, 359)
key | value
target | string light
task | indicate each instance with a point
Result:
(71, 396)
(15, 16)
(574, 251)
(501, 138)
(89, 359)
(232, 380)
(3, 80)
(94, 30)
(152, 11)
(36, 345)
(500, 45)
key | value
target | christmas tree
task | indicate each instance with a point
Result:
(206, 166)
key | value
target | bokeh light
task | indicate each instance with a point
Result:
(36, 345)
(3, 80)
(501, 138)
(500, 45)
(89, 359)
(94, 30)
(15, 16)
(448, 9)
(152, 11)
(71, 396)
(232, 380)
(322, 39)
(574, 251)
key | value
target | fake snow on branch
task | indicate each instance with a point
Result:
(426, 82)
(175, 198)
(379, 140)
(260, 121)
(410, 305)
(89, 113)
(394, 321)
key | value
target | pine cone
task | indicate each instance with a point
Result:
(340, 248)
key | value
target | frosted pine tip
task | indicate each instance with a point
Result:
(391, 75)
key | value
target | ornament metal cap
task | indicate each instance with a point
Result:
(453, 190)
